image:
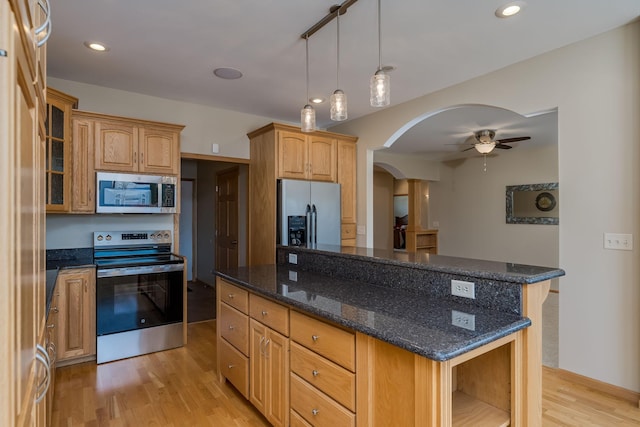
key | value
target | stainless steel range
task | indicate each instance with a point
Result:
(140, 293)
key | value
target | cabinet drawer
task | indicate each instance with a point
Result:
(329, 341)
(348, 231)
(234, 366)
(234, 296)
(328, 377)
(234, 327)
(296, 420)
(269, 313)
(317, 408)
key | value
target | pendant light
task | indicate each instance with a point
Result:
(380, 85)
(339, 98)
(307, 114)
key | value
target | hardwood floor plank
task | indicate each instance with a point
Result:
(180, 387)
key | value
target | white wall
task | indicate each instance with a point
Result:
(203, 125)
(595, 86)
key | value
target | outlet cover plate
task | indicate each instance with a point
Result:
(463, 289)
(463, 320)
(293, 258)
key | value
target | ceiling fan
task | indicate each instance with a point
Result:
(485, 142)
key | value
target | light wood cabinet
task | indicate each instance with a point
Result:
(269, 367)
(347, 152)
(22, 212)
(283, 151)
(302, 156)
(121, 144)
(83, 190)
(422, 241)
(233, 333)
(323, 372)
(58, 150)
(77, 315)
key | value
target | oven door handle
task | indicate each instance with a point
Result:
(145, 269)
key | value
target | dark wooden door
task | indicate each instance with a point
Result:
(227, 219)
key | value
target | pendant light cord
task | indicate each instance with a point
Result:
(379, 36)
(307, 56)
(338, 52)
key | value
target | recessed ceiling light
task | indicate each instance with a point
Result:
(317, 100)
(98, 47)
(227, 73)
(509, 9)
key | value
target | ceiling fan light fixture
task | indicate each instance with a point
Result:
(484, 147)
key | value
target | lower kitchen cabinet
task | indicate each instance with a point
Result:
(76, 290)
(269, 368)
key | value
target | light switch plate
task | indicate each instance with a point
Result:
(293, 258)
(293, 276)
(622, 242)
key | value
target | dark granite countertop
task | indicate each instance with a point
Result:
(420, 324)
(492, 270)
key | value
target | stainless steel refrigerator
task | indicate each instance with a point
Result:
(308, 213)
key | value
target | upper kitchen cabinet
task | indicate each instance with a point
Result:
(58, 150)
(283, 151)
(302, 156)
(130, 145)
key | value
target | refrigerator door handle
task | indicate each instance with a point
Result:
(314, 225)
(308, 226)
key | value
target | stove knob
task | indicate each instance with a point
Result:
(153, 235)
(99, 238)
(166, 235)
(108, 237)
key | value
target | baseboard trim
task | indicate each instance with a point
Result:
(613, 390)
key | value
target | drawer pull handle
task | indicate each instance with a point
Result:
(231, 296)
(51, 326)
(314, 338)
(315, 411)
(264, 313)
(232, 366)
(314, 373)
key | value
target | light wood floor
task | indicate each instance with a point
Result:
(180, 388)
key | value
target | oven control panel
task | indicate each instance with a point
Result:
(119, 238)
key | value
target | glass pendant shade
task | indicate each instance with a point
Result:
(380, 87)
(338, 106)
(308, 119)
(485, 148)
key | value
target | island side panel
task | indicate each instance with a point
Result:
(533, 295)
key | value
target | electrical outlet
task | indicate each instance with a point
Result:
(361, 230)
(293, 258)
(293, 276)
(463, 289)
(618, 241)
(463, 320)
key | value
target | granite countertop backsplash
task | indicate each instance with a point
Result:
(421, 324)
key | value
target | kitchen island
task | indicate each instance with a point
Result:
(420, 356)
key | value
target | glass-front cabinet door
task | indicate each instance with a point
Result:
(58, 150)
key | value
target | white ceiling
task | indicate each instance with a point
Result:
(169, 48)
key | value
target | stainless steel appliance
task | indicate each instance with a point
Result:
(140, 288)
(130, 193)
(308, 213)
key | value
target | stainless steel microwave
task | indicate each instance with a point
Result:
(132, 193)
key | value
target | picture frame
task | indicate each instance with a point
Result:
(532, 204)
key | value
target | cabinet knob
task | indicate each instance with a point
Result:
(231, 327)
(55, 309)
(314, 338)
(315, 411)
(314, 373)
(264, 313)
(231, 366)
(51, 326)
(231, 296)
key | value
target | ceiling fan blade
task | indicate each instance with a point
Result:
(507, 140)
(503, 146)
